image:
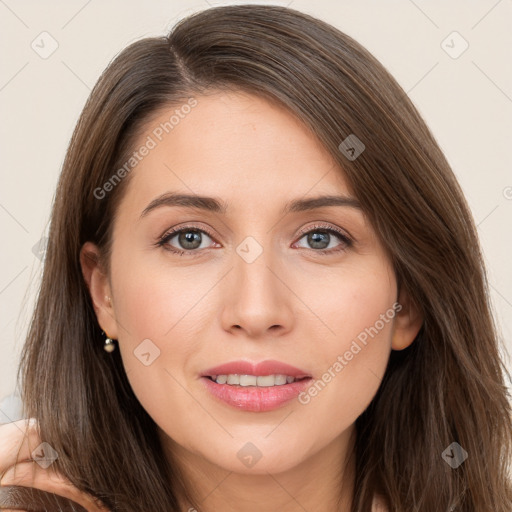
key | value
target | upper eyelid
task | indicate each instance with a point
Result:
(317, 225)
(175, 231)
(326, 226)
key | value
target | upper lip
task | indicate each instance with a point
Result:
(269, 367)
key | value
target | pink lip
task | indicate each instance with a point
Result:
(268, 367)
(254, 398)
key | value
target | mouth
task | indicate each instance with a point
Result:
(255, 387)
(250, 394)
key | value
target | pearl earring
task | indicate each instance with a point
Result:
(109, 345)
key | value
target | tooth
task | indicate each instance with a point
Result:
(234, 379)
(247, 380)
(280, 379)
(253, 380)
(266, 381)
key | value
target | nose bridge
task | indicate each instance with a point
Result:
(257, 295)
(253, 262)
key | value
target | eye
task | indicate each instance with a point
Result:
(188, 238)
(319, 237)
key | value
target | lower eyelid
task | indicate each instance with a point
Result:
(164, 240)
(345, 241)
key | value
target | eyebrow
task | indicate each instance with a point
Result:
(216, 205)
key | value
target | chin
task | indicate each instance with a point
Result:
(257, 457)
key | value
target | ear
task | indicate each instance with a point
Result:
(99, 288)
(408, 322)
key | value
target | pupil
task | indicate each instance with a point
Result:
(187, 239)
(318, 238)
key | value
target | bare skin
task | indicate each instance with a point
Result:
(291, 303)
(17, 442)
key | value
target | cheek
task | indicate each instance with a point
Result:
(346, 301)
(357, 314)
(154, 299)
(160, 313)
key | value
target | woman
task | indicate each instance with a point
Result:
(260, 230)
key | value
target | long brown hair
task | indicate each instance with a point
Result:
(447, 387)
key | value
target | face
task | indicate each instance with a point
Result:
(193, 287)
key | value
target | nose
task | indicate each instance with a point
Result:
(258, 299)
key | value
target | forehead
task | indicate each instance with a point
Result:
(237, 146)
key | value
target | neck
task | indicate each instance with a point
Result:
(322, 481)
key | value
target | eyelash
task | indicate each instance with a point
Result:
(164, 239)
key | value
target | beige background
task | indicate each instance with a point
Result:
(466, 101)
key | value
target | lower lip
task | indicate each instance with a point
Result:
(254, 398)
